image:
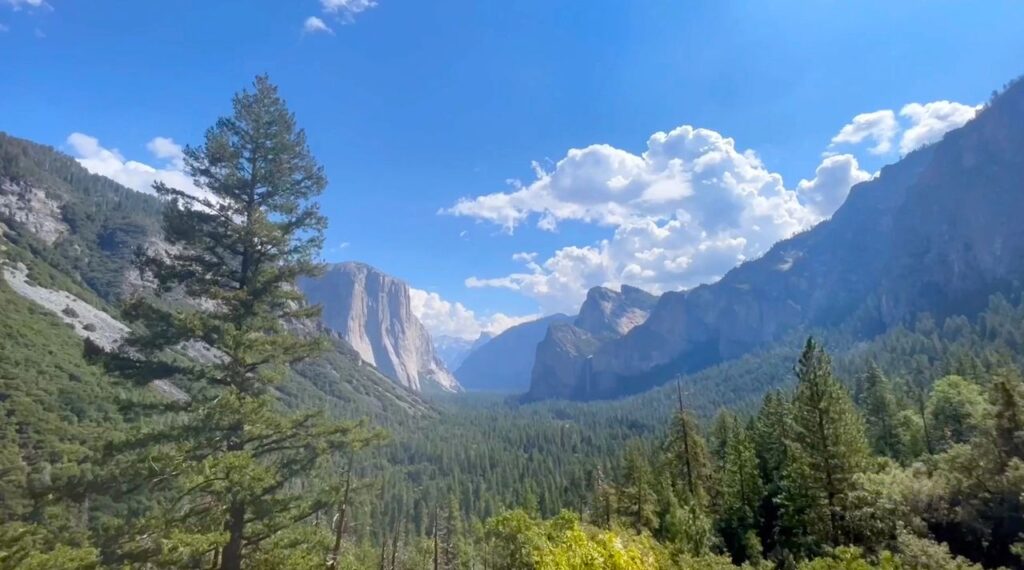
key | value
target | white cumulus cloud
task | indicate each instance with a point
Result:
(445, 318)
(136, 175)
(314, 25)
(683, 212)
(930, 121)
(831, 183)
(917, 125)
(879, 126)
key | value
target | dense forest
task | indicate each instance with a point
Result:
(904, 451)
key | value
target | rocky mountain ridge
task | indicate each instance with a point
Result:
(564, 353)
(936, 232)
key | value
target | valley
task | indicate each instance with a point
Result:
(201, 375)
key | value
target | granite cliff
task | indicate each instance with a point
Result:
(562, 357)
(373, 312)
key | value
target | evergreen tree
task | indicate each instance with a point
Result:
(828, 449)
(605, 500)
(723, 426)
(770, 431)
(453, 548)
(687, 456)
(637, 496)
(231, 461)
(741, 493)
(1008, 417)
(880, 411)
(957, 410)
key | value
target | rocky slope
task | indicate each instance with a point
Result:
(504, 363)
(938, 231)
(373, 312)
(562, 357)
(66, 243)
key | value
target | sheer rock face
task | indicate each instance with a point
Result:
(505, 362)
(938, 232)
(32, 208)
(373, 312)
(561, 365)
(609, 313)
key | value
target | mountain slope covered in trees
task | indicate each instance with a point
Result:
(78, 232)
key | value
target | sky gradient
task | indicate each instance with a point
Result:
(502, 157)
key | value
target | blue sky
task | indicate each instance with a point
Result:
(415, 105)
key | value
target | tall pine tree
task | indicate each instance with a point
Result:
(687, 456)
(771, 428)
(230, 460)
(828, 448)
(741, 494)
(880, 410)
(637, 497)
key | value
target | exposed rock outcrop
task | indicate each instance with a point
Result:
(504, 363)
(87, 321)
(561, 365)
(30, 207)
(373, 312)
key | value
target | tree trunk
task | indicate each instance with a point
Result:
(394, 547)
(339, 531)
(437, 559)
(231, 555)
(924, 423)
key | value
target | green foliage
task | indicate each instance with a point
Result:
(742, 492)
(827, 450)
(880, 414)
(956, 411)
(687, 458)
(230, 462)
(636, 495)
(517, 542)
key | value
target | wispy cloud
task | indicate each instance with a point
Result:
(314, 25)
(19, 4)
(349, 8)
